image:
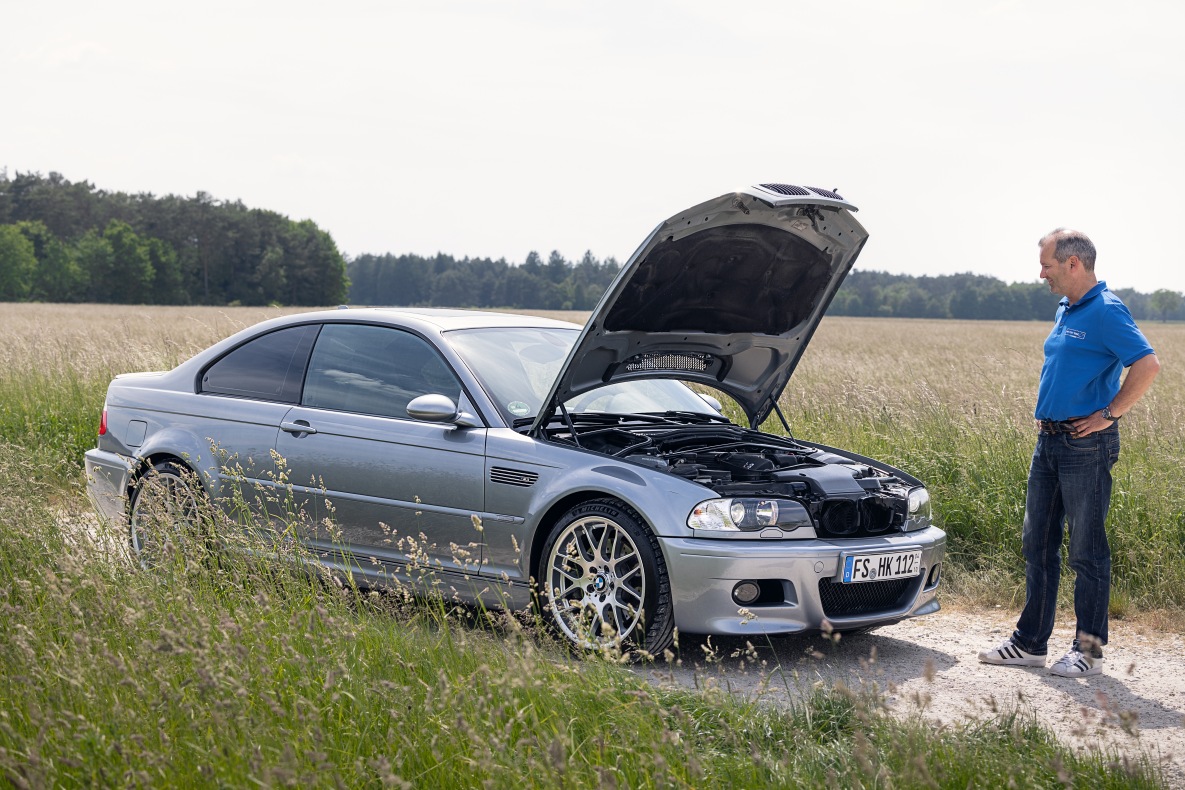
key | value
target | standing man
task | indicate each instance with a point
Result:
(1079, 403)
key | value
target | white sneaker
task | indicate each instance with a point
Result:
(1076, 664)
(1008, 654)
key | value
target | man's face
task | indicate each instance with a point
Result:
(1056, 275)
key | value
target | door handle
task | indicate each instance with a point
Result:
(297, 427)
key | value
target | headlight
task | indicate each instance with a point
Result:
(919, 503)
(919, 509)
(747, 515)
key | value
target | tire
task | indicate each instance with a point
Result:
(606, 584)
(167, 506)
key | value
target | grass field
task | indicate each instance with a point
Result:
(216, 673)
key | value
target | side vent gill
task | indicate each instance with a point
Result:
(512, 477)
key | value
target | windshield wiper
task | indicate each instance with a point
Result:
(615, 418)
(671, 417)
(696, 417)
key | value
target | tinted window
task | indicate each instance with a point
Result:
(374, 370)
(270, 367)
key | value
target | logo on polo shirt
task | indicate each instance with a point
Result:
(1076, 333)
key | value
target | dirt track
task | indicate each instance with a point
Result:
(1138, 703)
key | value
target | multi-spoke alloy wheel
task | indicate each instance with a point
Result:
(165, 511)
(606, 583)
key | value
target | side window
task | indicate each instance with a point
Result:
(374, 370)
(270, 367)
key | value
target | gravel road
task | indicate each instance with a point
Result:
(1137, 704)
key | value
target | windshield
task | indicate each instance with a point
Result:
(517, 366)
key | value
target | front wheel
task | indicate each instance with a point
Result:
(607, 584)
(166, 514)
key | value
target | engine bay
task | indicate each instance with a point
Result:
(846, 498)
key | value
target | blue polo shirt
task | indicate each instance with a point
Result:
(1091, 343)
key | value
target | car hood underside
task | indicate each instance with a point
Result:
(727, 294)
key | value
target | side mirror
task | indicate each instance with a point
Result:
(715, 404)
(440, 408)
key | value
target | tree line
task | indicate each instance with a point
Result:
(70, 242)
(559, 284)
(977, 297)
(444, 281)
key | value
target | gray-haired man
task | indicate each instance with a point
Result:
(1079, 403)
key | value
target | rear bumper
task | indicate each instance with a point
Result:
(107, 478)
(703, 574)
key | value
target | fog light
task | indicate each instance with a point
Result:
(935, 574)
(746, 593)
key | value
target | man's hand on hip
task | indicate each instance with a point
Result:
(1091, 423)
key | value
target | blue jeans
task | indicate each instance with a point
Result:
(1069, 483)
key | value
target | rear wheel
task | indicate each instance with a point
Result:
(606, 582)
(166, 514)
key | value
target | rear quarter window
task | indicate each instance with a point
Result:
(270, 367)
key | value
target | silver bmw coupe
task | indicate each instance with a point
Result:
(586, 469)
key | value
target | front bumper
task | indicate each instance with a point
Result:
(108, 476)
(703, 574)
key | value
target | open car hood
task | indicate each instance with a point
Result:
(726, 293)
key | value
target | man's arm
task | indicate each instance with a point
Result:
(1137, 381)
(1135, 384)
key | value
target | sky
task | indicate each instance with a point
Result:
(962, 131)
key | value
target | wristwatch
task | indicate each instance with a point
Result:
(1107, 415)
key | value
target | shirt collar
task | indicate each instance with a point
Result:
(1098, 288)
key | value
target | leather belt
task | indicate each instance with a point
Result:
(1056, 426)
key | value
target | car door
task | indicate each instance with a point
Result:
(395, 490)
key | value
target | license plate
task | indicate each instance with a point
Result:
(881, 567)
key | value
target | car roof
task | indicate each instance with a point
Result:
(443, 319)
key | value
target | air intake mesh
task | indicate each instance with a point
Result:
(786, 189)
(853, 600)
(695, 363)
(827, 193)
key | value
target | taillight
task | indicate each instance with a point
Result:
(103, 424)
